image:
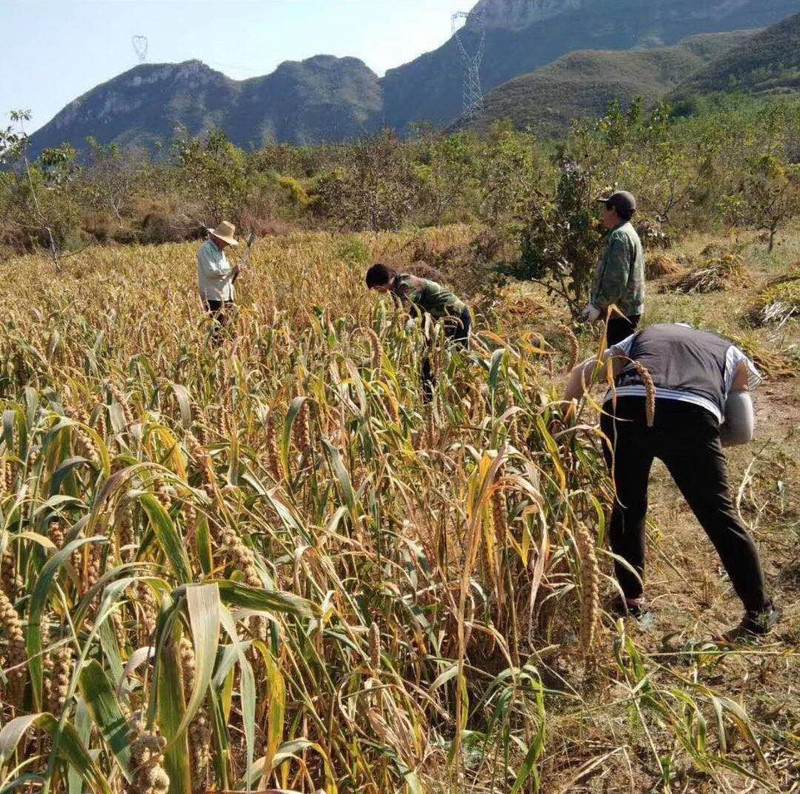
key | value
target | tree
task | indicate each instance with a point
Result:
(110, 176)
(606, 145)
(511, 172)
(768, 196)
(448, 169)
(215, 170)
(374, 191)
(662, 171)
(644, 153)
(38, 197)
(559, 238)
(13, 142)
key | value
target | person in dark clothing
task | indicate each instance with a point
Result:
(698, 387)
(422, 296)
(619, 279)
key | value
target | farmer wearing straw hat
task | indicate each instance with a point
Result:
(619, 280)
(679, 395)
(215, 275)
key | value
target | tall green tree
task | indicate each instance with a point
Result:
(559, 237)
(214, 171)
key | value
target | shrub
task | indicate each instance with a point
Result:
(168, 222)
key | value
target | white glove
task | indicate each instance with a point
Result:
(590, 314)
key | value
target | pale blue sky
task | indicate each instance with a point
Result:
(55, 50)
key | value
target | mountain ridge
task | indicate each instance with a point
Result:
(508, 51)
(328, 99)
(195, 97)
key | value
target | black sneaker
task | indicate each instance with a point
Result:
(623, 607)
(755, 624)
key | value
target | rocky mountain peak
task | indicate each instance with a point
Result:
(516, 14)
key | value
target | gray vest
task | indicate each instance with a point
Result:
(680, 360)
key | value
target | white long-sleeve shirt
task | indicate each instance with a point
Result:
(214, 273)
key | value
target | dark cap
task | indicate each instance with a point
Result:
(622, 201)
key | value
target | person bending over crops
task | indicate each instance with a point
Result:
(422, 296)
(679, 395)
(619, 279)
(215, 275)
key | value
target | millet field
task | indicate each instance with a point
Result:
(267, 566)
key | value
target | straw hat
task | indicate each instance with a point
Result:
(225, 232)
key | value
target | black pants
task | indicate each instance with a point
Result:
(686, 438)
(457, 330)
(620, 328)
(219, 314)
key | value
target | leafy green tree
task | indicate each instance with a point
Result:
(644, 153)
(606, 145)
(214, 170)
(512, 171)
(768, 196)
(448, 169)
(13, 142)
(559, 237)
(662, 169)
(376, 190)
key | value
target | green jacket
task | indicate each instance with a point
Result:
(619, 280)
(428, 296)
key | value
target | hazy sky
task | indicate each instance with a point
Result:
(55, 50)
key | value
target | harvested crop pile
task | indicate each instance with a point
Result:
(715, 275)
(526, 306)
(778, 301)
(660, 264)
(772, 363)
(526, 316)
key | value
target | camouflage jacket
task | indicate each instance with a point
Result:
(427, 296)
(619, 280)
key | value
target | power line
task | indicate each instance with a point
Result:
(140, 47)
(475, 23)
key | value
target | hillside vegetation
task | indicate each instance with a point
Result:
(769, 63)
(582, 84)
(700, 172)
